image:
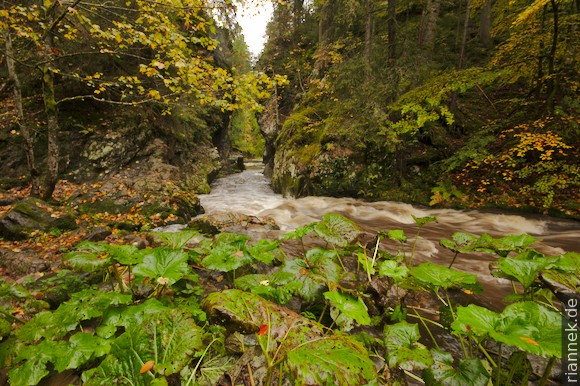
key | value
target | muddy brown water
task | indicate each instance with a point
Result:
(249, 192)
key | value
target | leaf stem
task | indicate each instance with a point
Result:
(427, 328)
(547, 371)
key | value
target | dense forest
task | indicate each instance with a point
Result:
(116, 116)
(451, 102)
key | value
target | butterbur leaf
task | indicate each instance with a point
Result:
(299, 232)
(469, 372)
(402, 348)
(83, 348)
(397, 235)
(391, 268)
(402, 334)
(350, 306)
(89, 257)
(125, 254)
(526, 325)
(504, 245)
(278, 287)
(163, 263)
(460, 242)
(226, 258)
(436, 276)
(422, 221)
(176, 240)
(313, 272)
(263, 250)
(335, 360)
(337, 230)
(236, 240)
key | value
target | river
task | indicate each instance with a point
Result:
(249, 192)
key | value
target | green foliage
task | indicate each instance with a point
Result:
(314, 272)
(469, 372)
(349, 306)
(404, 351)
(333, 360)
(528, 326)
(112, 337)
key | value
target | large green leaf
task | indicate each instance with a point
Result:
(264, 250)
(171, 339)
(278, 287)
(337, 230)
(524, 267)
(334, 360)
(350, 306)
(469, 372)
(226, 257)
(392, 269)
(163, 263)
(84, 305)
(89, 257)
(397, 235)
(434, 276)
(176, 240)
(314, 272)
(526, 325)
(422, 221)
(403, 350)
(460, 242)
(299, 232)
(504, 245)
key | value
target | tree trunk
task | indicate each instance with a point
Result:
(369, 32)
(324, 26)
(52, 125)
(392, 30)
(464, 37)
(551, 81)
(428, 26)
(485, 24)
(22, 124)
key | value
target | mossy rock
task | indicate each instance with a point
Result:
(33, 214)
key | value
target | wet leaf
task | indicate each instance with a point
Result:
(504, 245)
(163, 263)
(460, 242)
(313, 272)
(226, 258)
(350, 306)
(337, 230)
(518, 325)
(469, 372)
(299, 232)
(434, 276)
(391, 268)
(403, 350)
(397, 235)
(176, 240)
(278, 287)
(335, 360)
(263, 250)
(422, 221)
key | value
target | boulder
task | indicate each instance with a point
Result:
(33, 214)
(231, 222)
(23, 262)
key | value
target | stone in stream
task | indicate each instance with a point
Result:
(235, 222)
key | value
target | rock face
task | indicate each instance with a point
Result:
(269, 127)
(314, 170)
(33, 214)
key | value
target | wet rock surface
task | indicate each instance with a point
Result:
(33, 214)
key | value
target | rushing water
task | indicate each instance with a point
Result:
(249, 192)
